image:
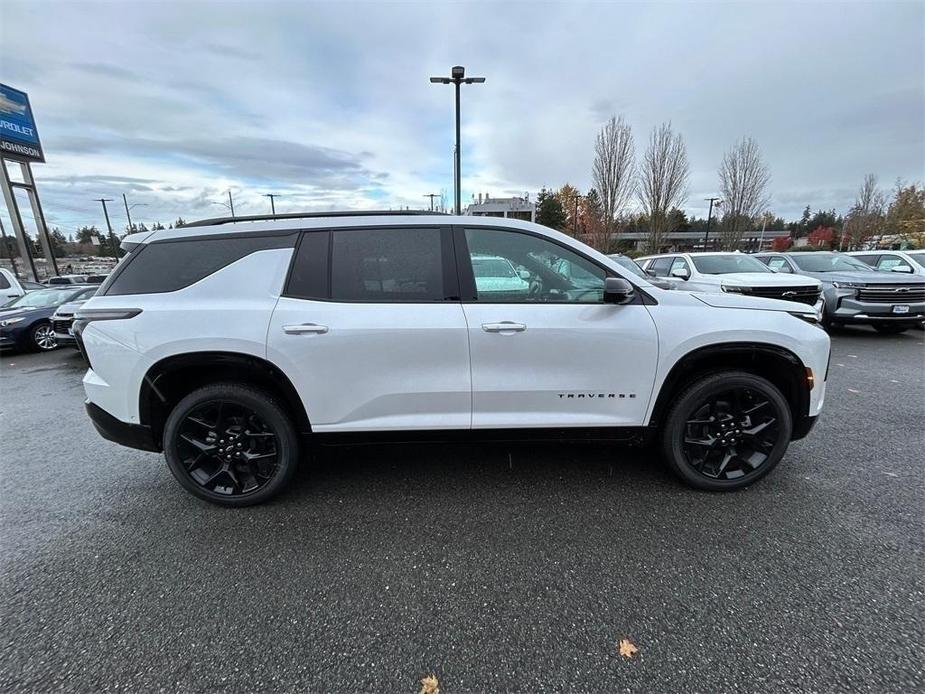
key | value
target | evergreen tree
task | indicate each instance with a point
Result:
(549, 210)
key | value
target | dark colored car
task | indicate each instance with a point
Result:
(854, 293)
(25, 322)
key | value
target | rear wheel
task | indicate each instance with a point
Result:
(726, 431)
(231, 444)
(43, 337)
(890, 329)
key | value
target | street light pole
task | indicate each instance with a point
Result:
(457, 78)
(128, 211)
(230, 203)
(431, 196)
(272, 197)
(718, 202)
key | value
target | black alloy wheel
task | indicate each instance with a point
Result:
(230, 444)
(727, 430)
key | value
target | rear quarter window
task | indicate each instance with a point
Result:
(167, 266)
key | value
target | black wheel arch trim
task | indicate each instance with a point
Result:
(159, 390)
(775, 363)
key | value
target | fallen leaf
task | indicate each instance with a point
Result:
(627, 649)
(430, 685)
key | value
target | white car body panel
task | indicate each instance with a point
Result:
(560, 369)
(378, 366)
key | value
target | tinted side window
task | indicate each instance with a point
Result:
(4, 282)
(511, 267)
(167, 266)
(659, 266)
(309, 277)
(869, 259)
(387, 265)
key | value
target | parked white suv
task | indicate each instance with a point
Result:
(733, 273)
(908, 262)
(228, 345)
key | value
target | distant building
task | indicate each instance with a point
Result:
(685, 241)
(509, 208)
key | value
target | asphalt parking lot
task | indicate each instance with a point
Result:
(495, 567)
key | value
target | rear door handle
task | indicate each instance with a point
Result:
(504, 326)
(305, 328)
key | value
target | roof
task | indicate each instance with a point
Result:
(329, 221)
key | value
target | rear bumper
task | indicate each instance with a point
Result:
(131, 435)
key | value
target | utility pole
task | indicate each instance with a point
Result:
(431, 196)
(272, 197)
(230, 203)
(457, 77)
(105, 211)
(718, 202)
(575, 198)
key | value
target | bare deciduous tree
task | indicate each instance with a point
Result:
(866, 216)
(743, 178)
(663, 181)
(614, 169)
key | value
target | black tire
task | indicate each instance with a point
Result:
(688, 431)
(890, 329)
(42, 337)
(209, 431)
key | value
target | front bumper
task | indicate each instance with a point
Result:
(849, 310)
(132, 435)
(802, 426)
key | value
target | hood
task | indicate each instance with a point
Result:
(17, 312)
(70, 306)
(866, 277)
(767, 279)
(751, 303)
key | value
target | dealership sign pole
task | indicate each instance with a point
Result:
(19, 142)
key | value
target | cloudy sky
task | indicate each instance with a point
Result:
(329, 105)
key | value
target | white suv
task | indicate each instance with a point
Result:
(733, 273)
(230, 345)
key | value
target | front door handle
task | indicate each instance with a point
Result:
(504, 326)
(305, 328)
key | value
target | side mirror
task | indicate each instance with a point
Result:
(618, 291)
(682, 273)
(901, 268)
(650, 273)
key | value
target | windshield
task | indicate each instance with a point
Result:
(492, 267)
(629, 264)
(829, 262)
(41, 298)
(724, 264)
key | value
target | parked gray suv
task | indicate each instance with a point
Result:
(854, 293)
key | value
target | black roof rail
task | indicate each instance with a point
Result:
(303, 215)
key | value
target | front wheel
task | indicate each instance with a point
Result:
(231, 444)
(43, 338)
(726, 431)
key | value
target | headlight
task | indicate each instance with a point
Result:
(808, 316)
(734, 289)
(11, 321)
(847, 285)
